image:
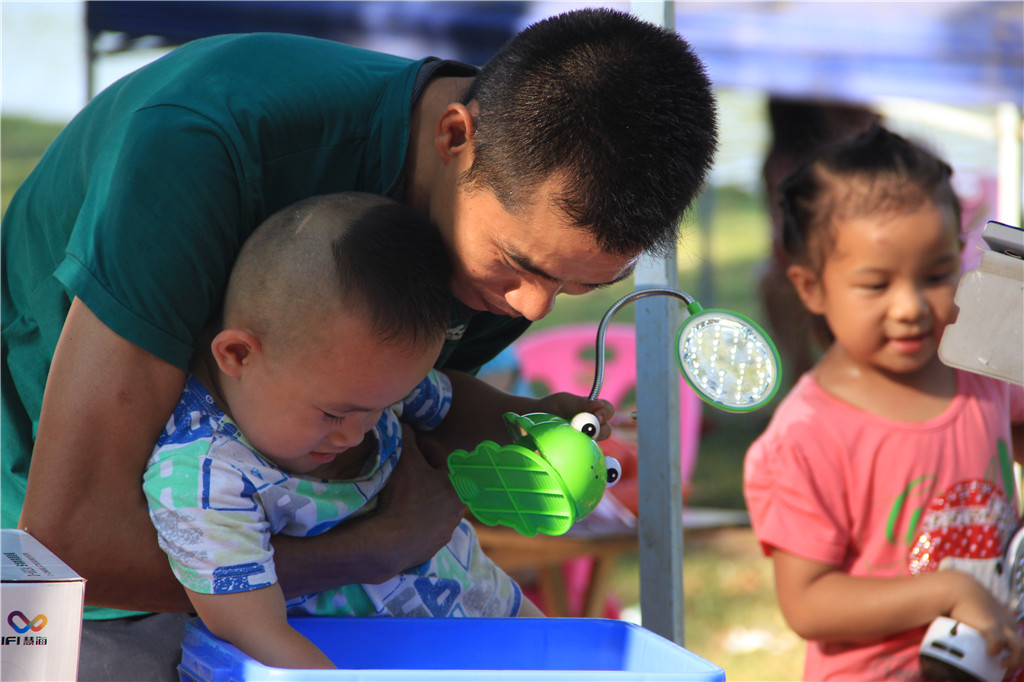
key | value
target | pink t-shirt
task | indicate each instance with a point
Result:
(878, 497)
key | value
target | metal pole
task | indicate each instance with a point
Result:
(1008, 141)
(660, 518)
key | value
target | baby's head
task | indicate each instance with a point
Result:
(337, 307)
(361, 254)
(849, 210)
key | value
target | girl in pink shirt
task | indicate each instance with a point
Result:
(882, 461)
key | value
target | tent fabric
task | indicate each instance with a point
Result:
(470, 31)
(958, 53)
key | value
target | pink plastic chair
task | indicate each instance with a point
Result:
(562, 359)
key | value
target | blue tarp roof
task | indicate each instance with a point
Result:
(469, 31)
(961, 53)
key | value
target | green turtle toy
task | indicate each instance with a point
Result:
(550, 477)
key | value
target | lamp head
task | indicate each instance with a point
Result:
(727, 359)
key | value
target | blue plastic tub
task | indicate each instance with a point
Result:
(458, 650)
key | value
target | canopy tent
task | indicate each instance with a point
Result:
(468, 31)
(958, 53)
(955, 54)
(963, 53)
(960, 63)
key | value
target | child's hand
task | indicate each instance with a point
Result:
(567, 405)
(256, 622)
(979, 609)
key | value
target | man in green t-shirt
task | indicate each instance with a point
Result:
(551, 170)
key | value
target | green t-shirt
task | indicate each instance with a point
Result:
(141, 204)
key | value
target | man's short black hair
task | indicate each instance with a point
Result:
(619, 109)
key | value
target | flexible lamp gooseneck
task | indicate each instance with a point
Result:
(554, 474)
(727, 359)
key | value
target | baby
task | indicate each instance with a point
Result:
(289, 423)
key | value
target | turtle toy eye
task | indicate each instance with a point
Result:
(587, 424)
(614, 471)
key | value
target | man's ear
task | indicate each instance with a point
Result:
(453, 134)
(233, 349)
(808, 287)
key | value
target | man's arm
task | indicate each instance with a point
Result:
(106, 403)
(477, 408)
(417, 512)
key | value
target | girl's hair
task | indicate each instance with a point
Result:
(878, 172)
(620, 109)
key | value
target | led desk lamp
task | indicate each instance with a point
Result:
(554, 474)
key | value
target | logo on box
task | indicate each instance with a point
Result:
(41, 620)
(35, 624)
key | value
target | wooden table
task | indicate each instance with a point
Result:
(604, 540)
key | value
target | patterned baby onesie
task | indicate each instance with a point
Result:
(216, 502)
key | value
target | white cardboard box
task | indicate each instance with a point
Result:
(41, 602)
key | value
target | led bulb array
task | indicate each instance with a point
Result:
(726, 358)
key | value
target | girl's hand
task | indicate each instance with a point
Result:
(979, 609)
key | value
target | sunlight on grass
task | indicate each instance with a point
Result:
(22, 143)
(739, 241)
(731, 615)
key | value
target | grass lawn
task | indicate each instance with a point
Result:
(732, 617)
(22, 142)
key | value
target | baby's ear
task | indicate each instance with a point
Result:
(808, 287)
(233, 349)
